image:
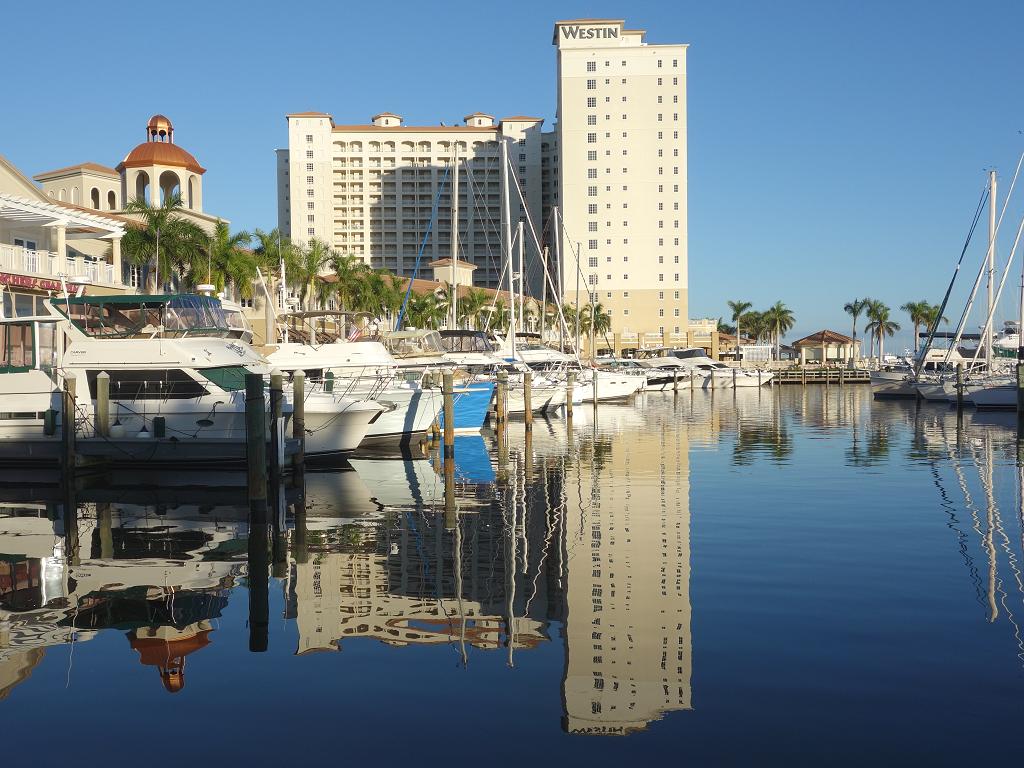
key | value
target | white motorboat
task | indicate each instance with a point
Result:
(664, 373)
(172, 369)
(612, 384)
(360, 369)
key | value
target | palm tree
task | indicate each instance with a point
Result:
(780, 319)
(918, 311)
(470, 305)
(600, 318)
(499, 316)
(738, 309)
(379, 293)
(757, 325)
(427, 310)
(351, 272)
(932, 319)
(854, 309)
(166, 243)
(880, 326)
(228, 262)
(304, 269)
(871, 309)
(271, 249)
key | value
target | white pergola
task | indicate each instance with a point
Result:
(78, 224)
(63, 223)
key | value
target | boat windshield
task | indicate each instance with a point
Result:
(466, 341)
(412, 343)
(133, 317)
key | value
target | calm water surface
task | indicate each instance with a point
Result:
(795, 576)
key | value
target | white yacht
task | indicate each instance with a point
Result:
(361, 369)
(712, 374)
(664, 373)
(175, 371)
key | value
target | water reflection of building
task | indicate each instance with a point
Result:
(161, 578)
(627, 634)
(394, 580)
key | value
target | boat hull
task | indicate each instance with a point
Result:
(336, 426)
(470, 402)
(893, 385)
(407, 416)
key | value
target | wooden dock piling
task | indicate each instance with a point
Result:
(501, 398)
(276, 425)
(448, 393)
(570, 381)
(67, 430)
(103, 404)
(528, 398)
(256, 446)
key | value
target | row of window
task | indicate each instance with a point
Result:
(592, 66)
(592, 279)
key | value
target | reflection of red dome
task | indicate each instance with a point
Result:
(160, 153)
(168, 655)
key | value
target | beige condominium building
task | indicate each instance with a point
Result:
(621, 173)
(371, 190)
(614, 164)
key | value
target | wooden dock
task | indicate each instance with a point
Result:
(827, 376)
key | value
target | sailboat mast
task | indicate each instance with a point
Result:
(507, 221)
(991, 262)
(522, 275)
(453, 310)
(561, 274)
(544, 295)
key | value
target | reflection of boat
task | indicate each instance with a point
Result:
(336, 493)
(398, 483)
(472, 460)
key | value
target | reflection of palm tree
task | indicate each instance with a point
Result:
(772, 440)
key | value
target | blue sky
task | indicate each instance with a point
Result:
(837, 149)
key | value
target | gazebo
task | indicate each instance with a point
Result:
(826, 346)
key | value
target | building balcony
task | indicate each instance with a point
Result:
(49, 266)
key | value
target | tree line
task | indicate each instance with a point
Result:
(177, 252)
(768, 326)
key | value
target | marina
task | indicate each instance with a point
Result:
(642, 391)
